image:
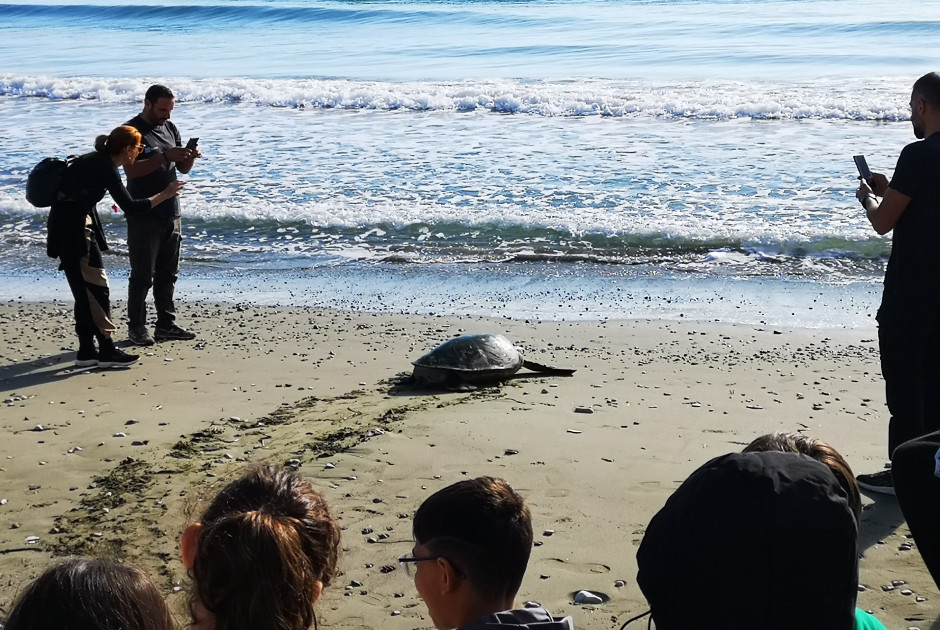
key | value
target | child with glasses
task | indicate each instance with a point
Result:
(261, 554)
(472, 545)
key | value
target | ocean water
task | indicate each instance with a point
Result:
(552, 159)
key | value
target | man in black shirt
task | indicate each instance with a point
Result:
(153, 237)
(909, 316)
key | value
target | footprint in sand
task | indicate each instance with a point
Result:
(574, 567)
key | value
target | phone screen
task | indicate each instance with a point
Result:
(862, 165)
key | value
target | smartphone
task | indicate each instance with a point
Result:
(194, 141)
(862, 165)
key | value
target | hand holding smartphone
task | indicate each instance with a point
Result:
(862, 164)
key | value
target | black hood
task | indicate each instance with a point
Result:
(522, 619)
(756, 541)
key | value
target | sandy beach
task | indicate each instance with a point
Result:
(114, 462)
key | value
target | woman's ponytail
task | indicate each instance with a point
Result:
(118, 140)
(267, 545)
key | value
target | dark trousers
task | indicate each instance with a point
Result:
(153, 246)
(89, 284)
(917, 486)
(909, 340)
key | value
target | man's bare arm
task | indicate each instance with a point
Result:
(184, 166)
(144, 167)
(883, 215)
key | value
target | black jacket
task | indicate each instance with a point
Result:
(85, 182)
(521, 619)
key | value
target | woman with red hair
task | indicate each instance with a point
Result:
(76, 238)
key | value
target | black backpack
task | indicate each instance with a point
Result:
(42, 185)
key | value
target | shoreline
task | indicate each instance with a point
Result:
(512, 292)
(595, 454)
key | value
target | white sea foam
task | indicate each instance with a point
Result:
(872, 99)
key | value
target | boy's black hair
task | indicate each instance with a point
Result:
(484, 528)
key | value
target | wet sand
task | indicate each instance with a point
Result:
(115, 462)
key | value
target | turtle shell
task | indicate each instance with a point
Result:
(490, 353)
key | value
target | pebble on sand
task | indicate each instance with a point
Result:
(587, 597)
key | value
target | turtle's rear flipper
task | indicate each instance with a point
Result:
(547, 369)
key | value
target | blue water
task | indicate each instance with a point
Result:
(695, 155)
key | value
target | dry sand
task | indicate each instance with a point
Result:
(114, 461)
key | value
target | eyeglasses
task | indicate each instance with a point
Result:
(406, 559)
(140, 148)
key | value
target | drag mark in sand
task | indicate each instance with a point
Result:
(123, 514)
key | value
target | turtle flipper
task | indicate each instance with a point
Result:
(547, 369)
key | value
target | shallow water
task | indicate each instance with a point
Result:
(493, 146)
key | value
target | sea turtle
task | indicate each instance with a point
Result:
(473, 360)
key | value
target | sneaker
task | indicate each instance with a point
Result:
(172, 332)
(116, 357)
(880, 482)
(139, 336)
(86, 357)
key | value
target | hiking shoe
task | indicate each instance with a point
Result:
(880, 482)
(139, 336)
(86, 357)
(115, 357)
(172, 332)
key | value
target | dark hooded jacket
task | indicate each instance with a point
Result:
(753, 541)
(522, 618)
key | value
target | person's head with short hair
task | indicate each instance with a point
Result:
(472, 545)
(158, 104)
(818, 450)
(261, 553)
(753, 540)
(925, 105)
(90, 594)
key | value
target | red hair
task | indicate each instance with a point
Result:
(119, 139)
